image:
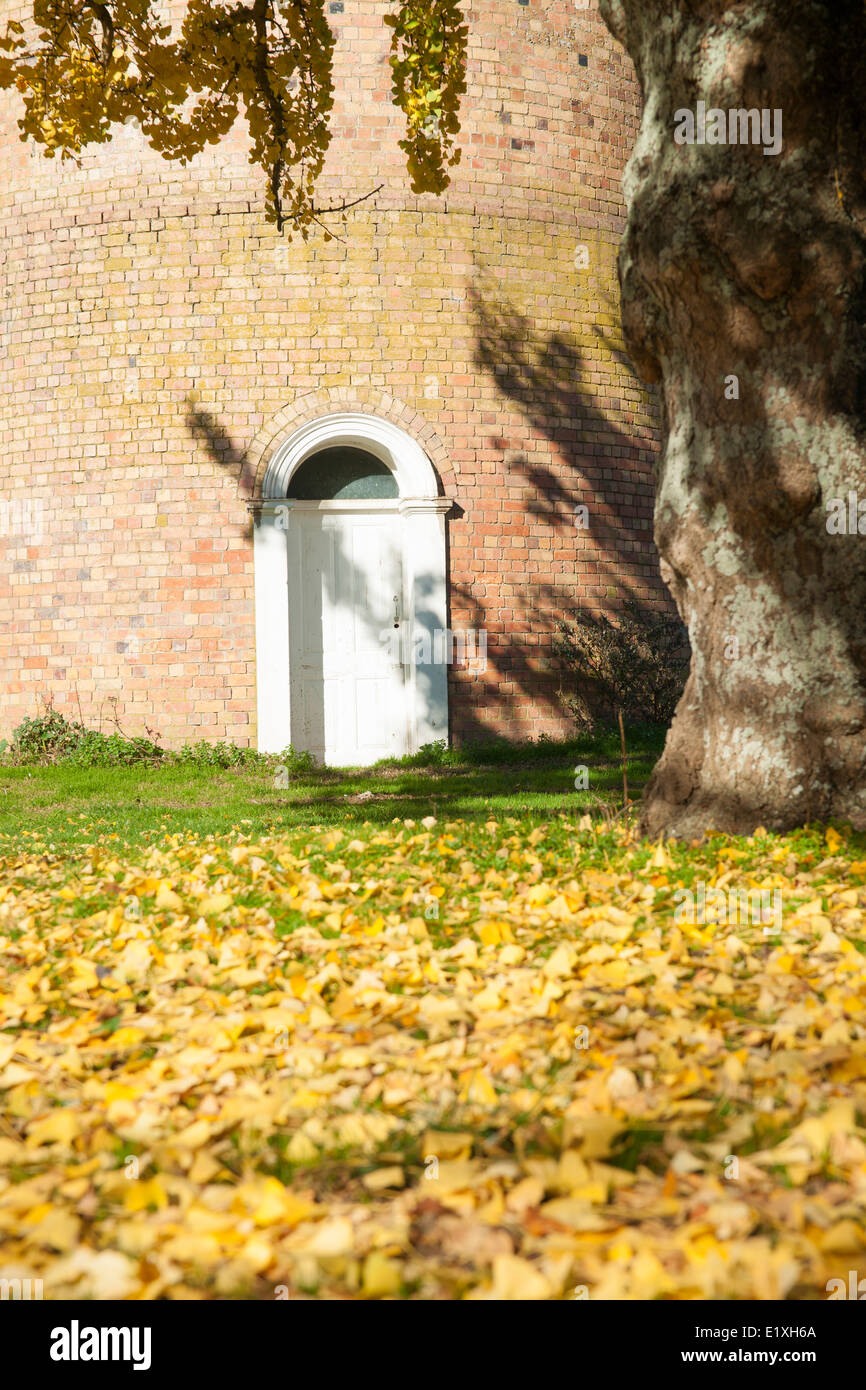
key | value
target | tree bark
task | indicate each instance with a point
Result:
(737, 263)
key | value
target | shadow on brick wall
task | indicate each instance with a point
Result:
(593, 464)
(207, 430)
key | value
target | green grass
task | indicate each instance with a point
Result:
(61, 806)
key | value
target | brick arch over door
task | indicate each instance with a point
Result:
(315, 405)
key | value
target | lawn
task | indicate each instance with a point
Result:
(65, 806)
(477, 1058)
(422, 1033)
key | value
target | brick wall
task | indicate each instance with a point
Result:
(152, 325)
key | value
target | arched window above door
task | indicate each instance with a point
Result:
(342, 472)
(352, 434)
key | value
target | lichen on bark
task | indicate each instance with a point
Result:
(738, 263)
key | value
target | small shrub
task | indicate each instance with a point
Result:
(435, 754)
(45, 738)
(50, 738)
(637, 661)
(95, 749)
(297, 762)
(220, 755)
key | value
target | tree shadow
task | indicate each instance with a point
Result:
(594, 461)
(206, 429)
(589, 478)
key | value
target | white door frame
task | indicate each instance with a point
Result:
(420, 515)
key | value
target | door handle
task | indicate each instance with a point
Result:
(396, 611)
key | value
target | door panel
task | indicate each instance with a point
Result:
(347, 698)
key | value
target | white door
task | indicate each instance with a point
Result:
(348, 700)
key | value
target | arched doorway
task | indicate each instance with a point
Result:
(350, 588)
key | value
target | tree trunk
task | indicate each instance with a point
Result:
(738, 263)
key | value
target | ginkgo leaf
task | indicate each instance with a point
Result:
(395, 1103)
